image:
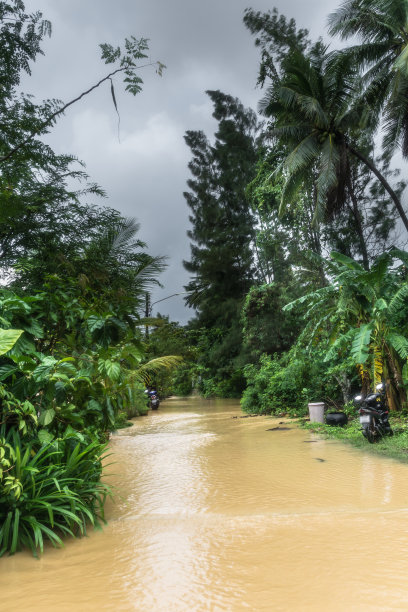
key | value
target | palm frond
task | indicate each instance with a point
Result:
(328, 178)
(303, 155)
(152, 367)
(124, 234)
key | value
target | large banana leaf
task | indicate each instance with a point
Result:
(361, 343)
(346, 261)
(399, 343)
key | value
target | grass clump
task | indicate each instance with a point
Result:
(395, 447)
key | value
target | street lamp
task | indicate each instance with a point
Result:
(149, 306)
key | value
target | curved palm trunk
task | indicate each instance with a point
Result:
(359, 226)
(383, 182)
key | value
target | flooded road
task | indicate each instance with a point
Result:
(215, 512)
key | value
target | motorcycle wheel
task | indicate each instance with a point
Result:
(370, 432)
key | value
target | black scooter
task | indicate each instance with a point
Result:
(154, 401)
(373, 410)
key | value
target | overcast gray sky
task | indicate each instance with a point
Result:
(205, 46)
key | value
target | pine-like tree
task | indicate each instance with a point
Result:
(222, 225)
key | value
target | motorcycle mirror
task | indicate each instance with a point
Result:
(380, 386)
(358, 398)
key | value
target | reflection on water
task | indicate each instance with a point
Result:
(221, 513)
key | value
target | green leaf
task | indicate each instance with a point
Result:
(8, 338)
(6, 371)
(112, 369)
(94, 322)
(360, 344)
(43, 371)
(47, 416)
(381, 305)
(45, 437)
(14, 542)
(399, 343)
(346, 261)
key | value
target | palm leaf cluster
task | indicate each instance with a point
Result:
(325, 108)
(382, 55)
(312, 115)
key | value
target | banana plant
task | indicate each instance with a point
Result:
(362, 316)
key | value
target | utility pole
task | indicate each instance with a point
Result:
(147, 314)
(149, 306)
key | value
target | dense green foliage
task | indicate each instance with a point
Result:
(170, 338)
(72, 359)
(350, 319)
(298, 268)
(314, 327)
(222, 234)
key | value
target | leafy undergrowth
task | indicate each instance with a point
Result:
(395, 446)
(49, 492)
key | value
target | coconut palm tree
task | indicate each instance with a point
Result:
(382, 26)
(115, 262)
(318, 117)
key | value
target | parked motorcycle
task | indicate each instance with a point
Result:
(373, 411)
(154, 401)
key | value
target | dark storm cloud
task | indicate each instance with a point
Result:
(205, 46)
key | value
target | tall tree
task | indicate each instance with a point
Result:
(318, 113)
(222, 223)
(36, 184)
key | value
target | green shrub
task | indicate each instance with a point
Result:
(50, 490)
(139, 404)
(286, 385)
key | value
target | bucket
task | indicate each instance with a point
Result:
(316, 412)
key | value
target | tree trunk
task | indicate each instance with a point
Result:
(397, 384)
(383, 182)
(345, 386)
(359, 226)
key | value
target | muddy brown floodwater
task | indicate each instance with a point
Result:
(221, 513)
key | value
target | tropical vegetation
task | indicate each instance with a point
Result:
(298, 263)
(325, 314)
(73, 363)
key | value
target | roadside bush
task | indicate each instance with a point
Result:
(282, 384)
(227, 385)
(49, 490)
(139, 404)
